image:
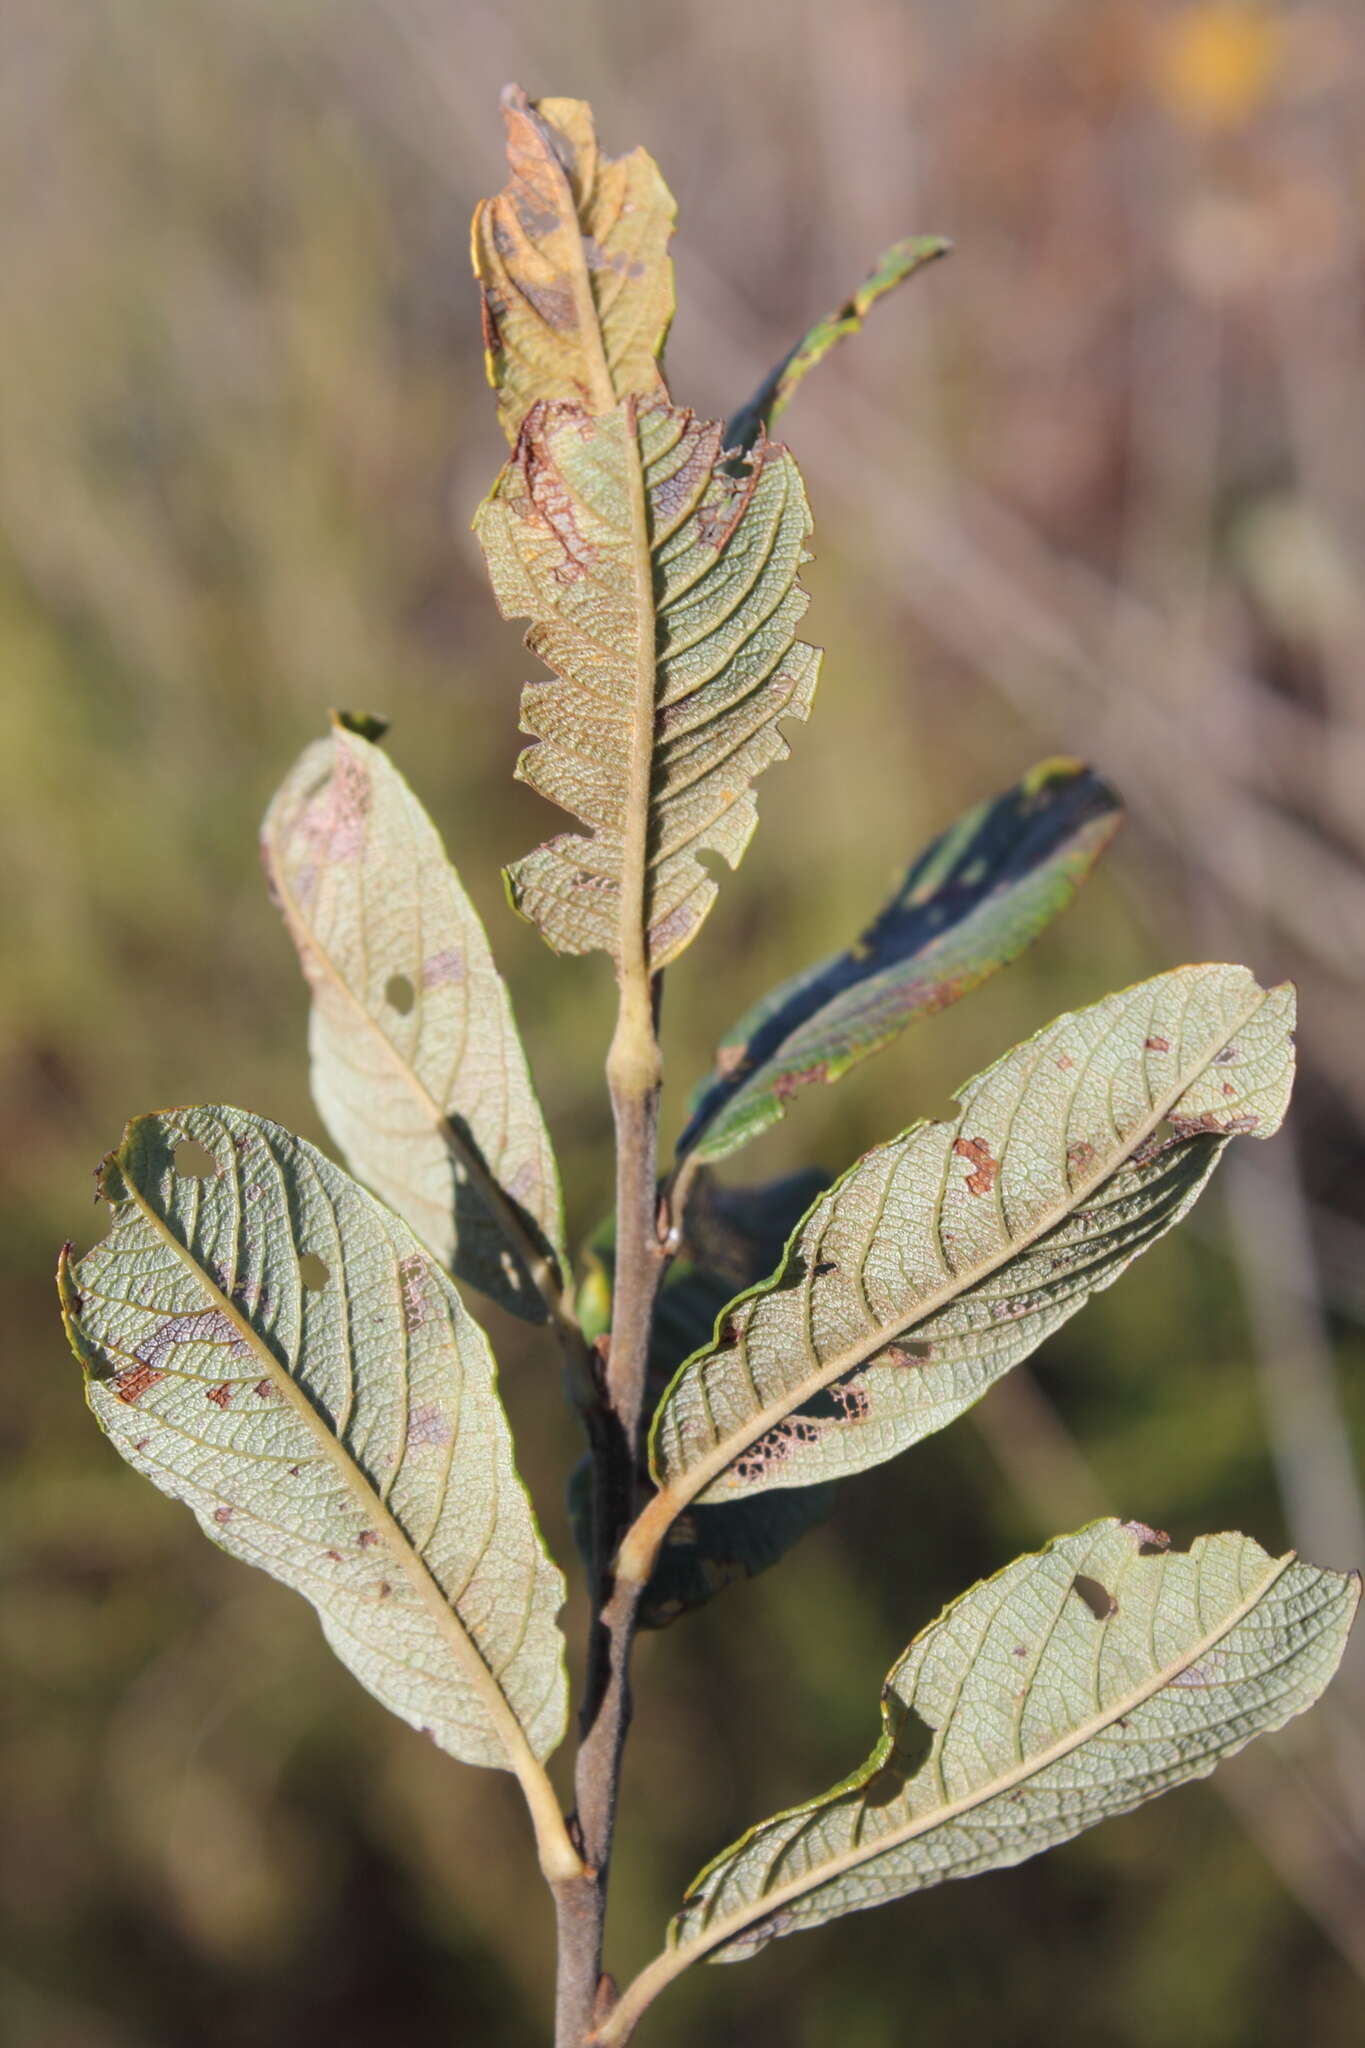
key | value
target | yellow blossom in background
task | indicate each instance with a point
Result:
(1216, 63)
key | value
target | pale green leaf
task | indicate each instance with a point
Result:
(417, 1069)
(273, 1347)
(572, 259)
(663, 592)
(778, 388)
(943, 1258)
(1072, 1686)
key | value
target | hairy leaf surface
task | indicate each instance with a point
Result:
(775, 393)
(418, 1072)
(273, 1347)
(572, 260)
(943, 1258)
(1072, 1686)
(969, 904)
(663, 591)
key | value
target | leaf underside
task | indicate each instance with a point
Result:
(663, 592)
(968, 905)
(942, 1259)
(778, 388)
(732, 1237)
(1072, 1686)
(273, 1347)
(571, 257)
(417, 1069)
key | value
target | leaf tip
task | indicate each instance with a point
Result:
(366, 725)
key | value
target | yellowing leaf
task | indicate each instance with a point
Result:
(418, 1072)
(273, 1347)
(1069, 1688)
(572, 260)
(663, 591)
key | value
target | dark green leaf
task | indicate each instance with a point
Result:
(733, 1236)
(775, 393)
(969, 904)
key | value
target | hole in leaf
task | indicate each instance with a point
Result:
(194, 1161)
(314, 1272)
(949, 1114)
(399, 994)
(1097, 1598)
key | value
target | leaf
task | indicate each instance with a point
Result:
(273, 1347)
(664, 594)
(1068, 1688)
(418, 1072)
(572, 260)
(732, 1237)
(945, 1257)
(969, 904)
(775, 393)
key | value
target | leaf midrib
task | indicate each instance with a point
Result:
(718, 1932)
(693, 1479)
(505, 1723)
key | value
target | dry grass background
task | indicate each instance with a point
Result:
(1096, 484)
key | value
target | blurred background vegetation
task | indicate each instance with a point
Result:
(1098, 485)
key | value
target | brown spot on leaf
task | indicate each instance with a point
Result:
(986, 1170)
(1157, 1044)
(222, 1516)
(905, 1354)
(1147, 1538)
(492, 340)
(206, 1326)
(428, 1425)
(263, 1390)
(1226, 1057)
(221, 1396)
(1065, 1062)
(133, 1381)
(851, 1402)
(553, 302)
(772, 1448)
(344, 807)
(335, 1556)
(368, 1538)
(787, 1084)
(548, 502)
(444, 969)
(1081, 1156)
(1207, 1120)
(412, 1281)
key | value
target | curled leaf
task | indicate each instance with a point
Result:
(775, 393)
(417, 1068)
(572, 260)
(273, 1347)
(945, 1257)
(1023, 1716)
(968, 905)
(663, 592)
